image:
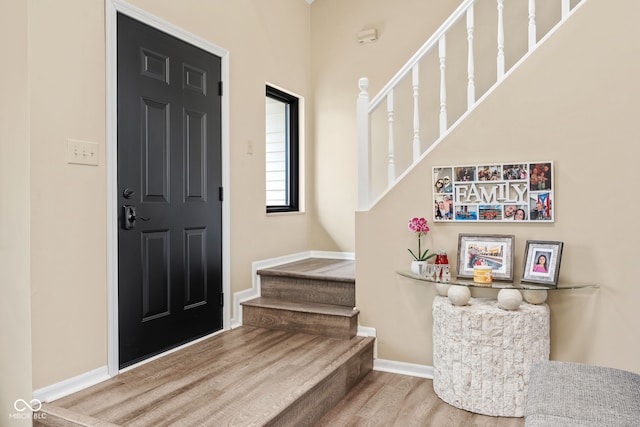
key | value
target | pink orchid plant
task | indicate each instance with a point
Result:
(420, 227)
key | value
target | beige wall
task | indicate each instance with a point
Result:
(267, 41)
(15, 320)
(67, 226)
(68, 202)
(338, 61)
(572, 102)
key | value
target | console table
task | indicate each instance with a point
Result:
(482, 354)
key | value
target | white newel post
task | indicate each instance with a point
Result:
(415, 82)
(391, 168)
(364, 192)
(471, 86)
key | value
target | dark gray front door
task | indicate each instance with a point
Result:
(169, 185)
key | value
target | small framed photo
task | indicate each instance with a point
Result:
(488, 250)
(542, 262)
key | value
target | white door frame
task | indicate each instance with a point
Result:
(112, 8)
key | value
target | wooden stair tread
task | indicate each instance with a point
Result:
(246, 376)
(302, 307)
(59, 416)
(335, 270)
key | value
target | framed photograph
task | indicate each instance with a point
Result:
(486, 249)
(542, 262)
(494, 192)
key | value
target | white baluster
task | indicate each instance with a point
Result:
(391, 168)
(364, 175)
(500, 39)
(471, 86)
(415, 82)
(566, 8)
(443, 87)
(532, 24)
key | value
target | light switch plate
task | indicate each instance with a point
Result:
(82, 152)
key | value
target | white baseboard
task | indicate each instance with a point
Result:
(332, 255)
(254, 292)
(392, 366)
(71, 385)
(411, 369)
(365, 331)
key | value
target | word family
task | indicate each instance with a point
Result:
(492, 192)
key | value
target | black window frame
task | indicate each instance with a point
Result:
(293, 138)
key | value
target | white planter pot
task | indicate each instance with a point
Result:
(418, 267)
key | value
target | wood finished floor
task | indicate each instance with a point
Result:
(237, 379)
(382, 399)
(242, 377)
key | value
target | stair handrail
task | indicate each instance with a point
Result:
(365, 105)
(420, 53)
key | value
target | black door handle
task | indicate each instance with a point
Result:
(129, 217)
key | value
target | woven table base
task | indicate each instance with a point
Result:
(482, 354)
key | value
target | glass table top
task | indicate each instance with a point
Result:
(498, 284)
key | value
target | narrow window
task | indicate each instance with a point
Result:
(281, 151)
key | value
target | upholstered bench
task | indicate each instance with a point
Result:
(574, 394)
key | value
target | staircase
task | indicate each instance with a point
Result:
(316, 297)
(295, 358)
(313, 296)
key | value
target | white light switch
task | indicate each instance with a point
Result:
(82, 152)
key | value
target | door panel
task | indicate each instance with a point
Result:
(169, 175)
(194, 138)
(155, 150)
(196, 263)
(156, 282)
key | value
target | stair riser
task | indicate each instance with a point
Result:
(295, 321)
(307, 410)
(308, 290)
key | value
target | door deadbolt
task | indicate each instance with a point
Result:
(127, 193)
